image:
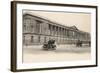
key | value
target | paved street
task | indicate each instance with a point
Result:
(62, 53)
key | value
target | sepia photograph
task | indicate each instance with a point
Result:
(56, 36)
(46, 36)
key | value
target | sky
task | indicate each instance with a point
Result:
(81, 20)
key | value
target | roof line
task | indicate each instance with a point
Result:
(55, 22)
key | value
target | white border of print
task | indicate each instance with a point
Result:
(21, 65)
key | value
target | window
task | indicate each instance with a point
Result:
(67, 33)
(24, 27)
(38, 23)
(24, 39)
(39, 39)
(45, 39)
(27, 24)
(32, 39)
(49, 27)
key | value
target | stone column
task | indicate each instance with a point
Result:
(54, 30)
(58, 31)
(51, 30)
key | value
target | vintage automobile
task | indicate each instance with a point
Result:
(50, 45)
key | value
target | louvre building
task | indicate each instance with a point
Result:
(38, 30)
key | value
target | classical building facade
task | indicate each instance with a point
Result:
(37, 30)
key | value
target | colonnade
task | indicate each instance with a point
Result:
(39, 31)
